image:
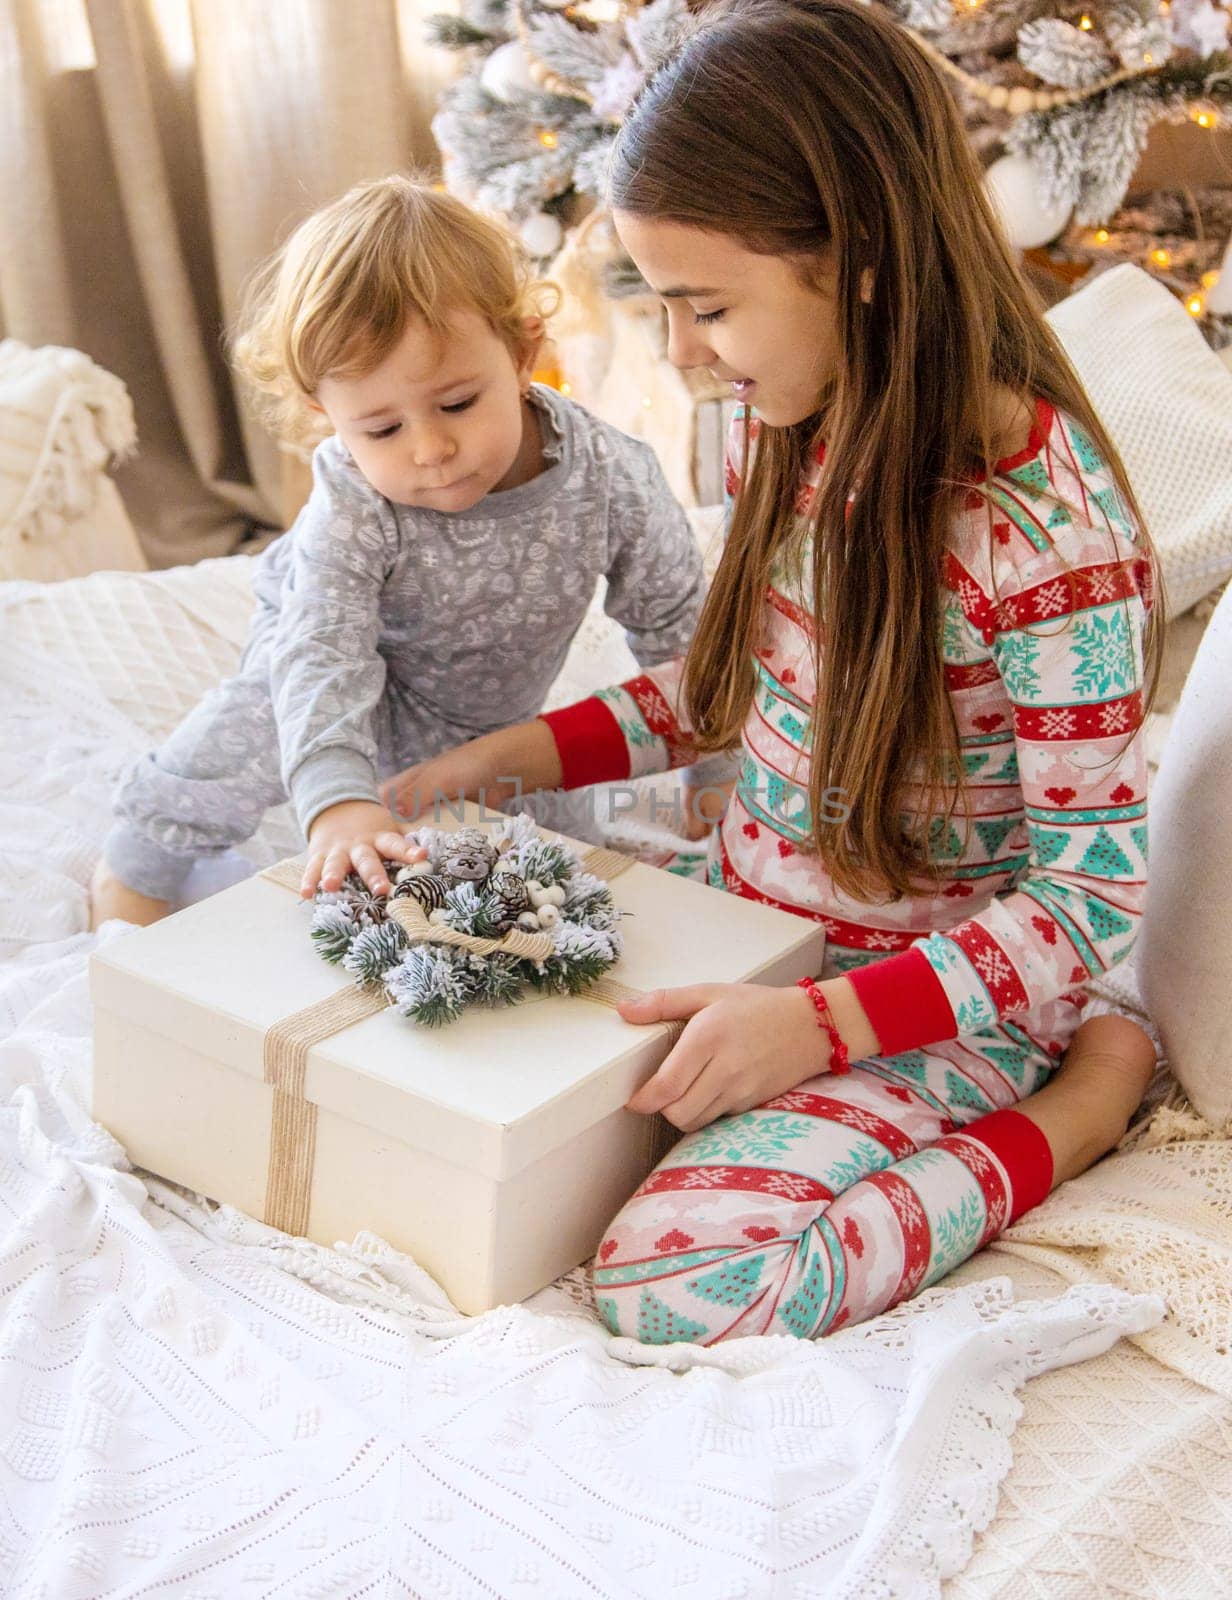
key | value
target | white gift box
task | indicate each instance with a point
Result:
(494, 1150)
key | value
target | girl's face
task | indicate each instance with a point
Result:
(441, 421)
(749, 318)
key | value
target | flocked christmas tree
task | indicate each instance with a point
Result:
(1059, 99)
(525, 131)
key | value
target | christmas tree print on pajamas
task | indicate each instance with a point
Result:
(843, 1197)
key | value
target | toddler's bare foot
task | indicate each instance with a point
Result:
(111, 898)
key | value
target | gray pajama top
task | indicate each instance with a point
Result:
(404, 628)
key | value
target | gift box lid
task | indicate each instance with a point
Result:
(494, 1090)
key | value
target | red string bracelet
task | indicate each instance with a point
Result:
(839, 1061)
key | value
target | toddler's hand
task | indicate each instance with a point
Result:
(354, 835)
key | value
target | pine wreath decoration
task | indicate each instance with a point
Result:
(538, 917)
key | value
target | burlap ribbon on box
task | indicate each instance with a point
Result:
(293, 1129)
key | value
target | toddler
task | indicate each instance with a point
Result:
(459, 518)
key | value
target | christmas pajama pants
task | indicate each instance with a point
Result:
(835, 1201)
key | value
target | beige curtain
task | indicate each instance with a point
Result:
(151, 153)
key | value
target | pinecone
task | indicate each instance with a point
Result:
(429, 889)
(468, 854)
(506, 897)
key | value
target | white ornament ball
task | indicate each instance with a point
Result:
(530, 921)
(506, 73)
(541, 234)
(555, 896)
(1219, 295)
(1014, 189)
(548, 916)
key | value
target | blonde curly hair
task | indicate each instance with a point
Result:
(336, 298)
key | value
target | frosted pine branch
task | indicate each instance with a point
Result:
(1061, 54)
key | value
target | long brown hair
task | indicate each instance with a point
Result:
(797, 126)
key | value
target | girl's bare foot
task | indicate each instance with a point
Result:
(1084, 1110)
(111, 898)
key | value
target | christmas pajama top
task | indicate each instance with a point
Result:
(1046, 682)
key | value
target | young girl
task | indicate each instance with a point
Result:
(928, 632)
(459, 519)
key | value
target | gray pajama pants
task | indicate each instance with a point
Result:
(208, 787)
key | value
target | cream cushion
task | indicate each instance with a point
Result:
(1165, 398)
(1184, 954)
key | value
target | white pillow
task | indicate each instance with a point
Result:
(1184, 950)
(1165, 398)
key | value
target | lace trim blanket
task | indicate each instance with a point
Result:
(195, 1404)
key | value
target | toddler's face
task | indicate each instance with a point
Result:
(441, 422)
(748, 318)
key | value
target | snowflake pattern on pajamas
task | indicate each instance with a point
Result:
(979, 981)
(1042, 644)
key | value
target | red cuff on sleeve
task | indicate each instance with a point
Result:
(590, 742)
(904, 1001)
(1022, 1150)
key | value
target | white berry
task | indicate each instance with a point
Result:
(548, 916)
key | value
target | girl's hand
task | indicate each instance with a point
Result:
(703, 808)
(355, 834)
(745, 1043)
(491, 768)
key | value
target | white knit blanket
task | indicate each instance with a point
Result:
(62, 418)
(193, 1405)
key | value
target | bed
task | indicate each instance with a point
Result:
(194, 1405)
(1121, 1474)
